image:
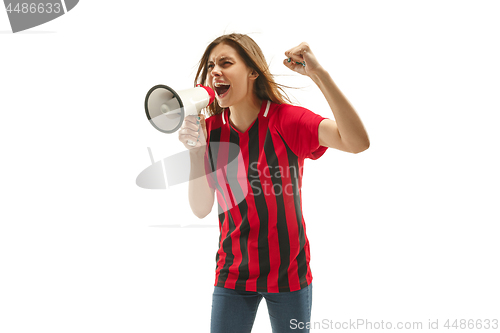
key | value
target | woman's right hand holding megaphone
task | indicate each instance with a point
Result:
(193, 132)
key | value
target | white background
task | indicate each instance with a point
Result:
(405, 231)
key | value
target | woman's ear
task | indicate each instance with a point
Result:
(253, 75)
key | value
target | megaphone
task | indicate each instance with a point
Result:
(167, 108)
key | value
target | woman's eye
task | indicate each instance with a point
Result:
(224, 64)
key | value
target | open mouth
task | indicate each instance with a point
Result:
(221, 89)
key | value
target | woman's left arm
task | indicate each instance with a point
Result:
(347, 132)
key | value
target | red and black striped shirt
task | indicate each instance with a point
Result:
(257, 176)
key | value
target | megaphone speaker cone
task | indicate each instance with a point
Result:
(164, 108)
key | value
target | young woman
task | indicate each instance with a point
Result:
(263, 248)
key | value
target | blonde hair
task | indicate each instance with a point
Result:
(265, 87)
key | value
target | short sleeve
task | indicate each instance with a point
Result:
(299, 128)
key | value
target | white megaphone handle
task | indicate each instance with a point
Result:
(191, 143)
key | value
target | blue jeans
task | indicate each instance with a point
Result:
(233, 311)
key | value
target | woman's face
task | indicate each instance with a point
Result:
(229, 76)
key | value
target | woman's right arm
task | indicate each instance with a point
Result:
(201, 195)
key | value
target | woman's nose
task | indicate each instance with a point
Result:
(216, 71)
